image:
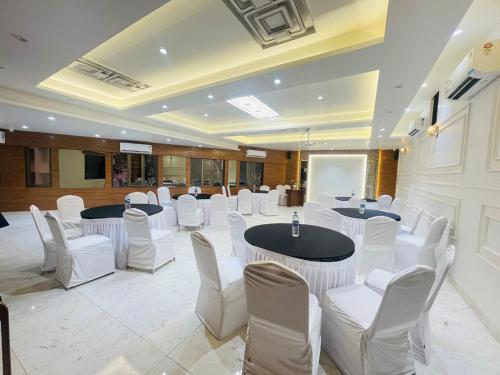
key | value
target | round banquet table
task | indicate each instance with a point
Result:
(257, 197)
(344, 202)
(108, 221)
(203, 201)
(322, 256)
(353, 223)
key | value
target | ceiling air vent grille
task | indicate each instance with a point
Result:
(272, 22)
(101, 73)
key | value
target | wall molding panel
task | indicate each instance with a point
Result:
(489, 234)
(494, 145)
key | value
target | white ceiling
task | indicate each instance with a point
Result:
(416, 33)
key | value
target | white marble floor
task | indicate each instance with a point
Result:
(136, 323)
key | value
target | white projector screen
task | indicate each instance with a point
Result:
(339, 175)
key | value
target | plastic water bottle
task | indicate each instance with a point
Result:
(295, 224)
(353, 194)
(127, 202)
(362, 207)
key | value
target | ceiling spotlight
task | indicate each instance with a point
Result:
(380, 135)
(424, 84)
(19, 38)
(277, 81)
(163, 51)
(164, 106)
(457, 32)
(320, 97)
(205, 115)
(124, 132)
(51, 118)
(168, 139)
(97, 135)
(25, 127)
(324, 143)
(382, 129)
(407, 109)
(199, 145)
(210, 96)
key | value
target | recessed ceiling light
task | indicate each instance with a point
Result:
(331, 148)
(277, 81)
(164, 106)
(253, 106)
(168, 139)
(382, 129)
(19, 38)
(407, 109)
(97, 135)
(205, 115)
(199, 145)
(51, 118)
(324, 143)
(457, 32)
(163, 51)
(25, 127)
(210, 96)
(320, 97)
(424, 84)
(124, 132)
(380, 135)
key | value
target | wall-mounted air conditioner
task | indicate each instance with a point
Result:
(480, 67)
(417, 126)
(256, 154)
(136, 148)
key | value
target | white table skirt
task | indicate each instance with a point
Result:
(114, 228)
(352, 227)
(204, 205)
(320, 276)
(344, 204)
(256, 201)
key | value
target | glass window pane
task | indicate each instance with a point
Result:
(135, 170)
(174, 171)
(251, 173)
(217, 172)
(38, 167)
(196, 170)
(207, 172)
(120, 170)
(231, 173)
(81, 169)
(150, 174)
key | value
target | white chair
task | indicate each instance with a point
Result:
(283, 199)
(138, 197)
(194, 190)
(410, 219)
(152, 198)
(245, 202)
(328, 218)
(221, 304)
(228, 191)
(232, 201)
(420, 335)
(326, 200)
(365, 333)
(81, 259)
(68, 209)
(188, 213)
(224, 193)
(410, 250)
(375, 248)
(164, 196)
(396, 206)
(264, 188)
(384, 202)
(310, 210)
(354, 202)
(284, 322)
(49, 246)
(237, 228)
(148, 248)
(218, 212)
(168, 206)
(269, 204)
(288, 187)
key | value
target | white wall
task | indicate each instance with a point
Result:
(457, 175)
(339, 175)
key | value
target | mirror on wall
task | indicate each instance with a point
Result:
(134, 170)
(81, 169)
(38, 167)
(174, 171)
(231, 173)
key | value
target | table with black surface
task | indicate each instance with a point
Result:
(198, 196)
(346, 199)
(344, 202)
(322, 256)
(117, 210)
(353, 222)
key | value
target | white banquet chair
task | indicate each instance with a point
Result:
(264, 188)
(81, 259)
(283, 195)
(410, 249)
(69, 208)
(365, 333)
(330, 219)
(375, 247)
(245, 202)
(188, 213)
(420, 335)
(384, 202)
(237, 228)
(49, 245)
(410, 219)
(354, 202)
(148, 248)
(218, 212)
(232, 200)
(221, 304)
(164, 196)
(284, 322)
(288, 187)
(168, 206)
(138, 197)
(310, 210)
(326, 200)
(194, 190)
(224, 193)
(152, 198)
(396, 206)
(269, 204)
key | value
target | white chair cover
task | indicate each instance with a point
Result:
(355, 202)
(224, 193)
(269, 205)
(237, 228)
(384, 202)
(138, 197)
(168, 206)
(81, 259)
(310, 210)
(420, 335)
(284, 322)
(232, 201)
(194, 190)
(396, 206)
(326, 200)
(410, 219)
(148, 248)
(282, 201)
(68, 209)
(245, 202)
(49, 246)
(228, 191)
(328, 218)
(188, 213)
(152, 198)
(164, 196)
(221, 304)
(288, 187)
(364, 333)
(264, 188)
(218, 212)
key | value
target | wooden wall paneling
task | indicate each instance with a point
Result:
(387, 173)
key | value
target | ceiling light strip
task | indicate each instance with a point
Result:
(253, 106)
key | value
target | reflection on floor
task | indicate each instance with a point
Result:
(136, 323)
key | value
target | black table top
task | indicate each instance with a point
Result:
(199, 196)
(345, 199)
(260, 191)
(354, 213)
(117, 210)
(3, 221)
(316, 244)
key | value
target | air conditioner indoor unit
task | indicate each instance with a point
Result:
(136, 148)
(480, 67)
(417, 126)
(256, 154)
